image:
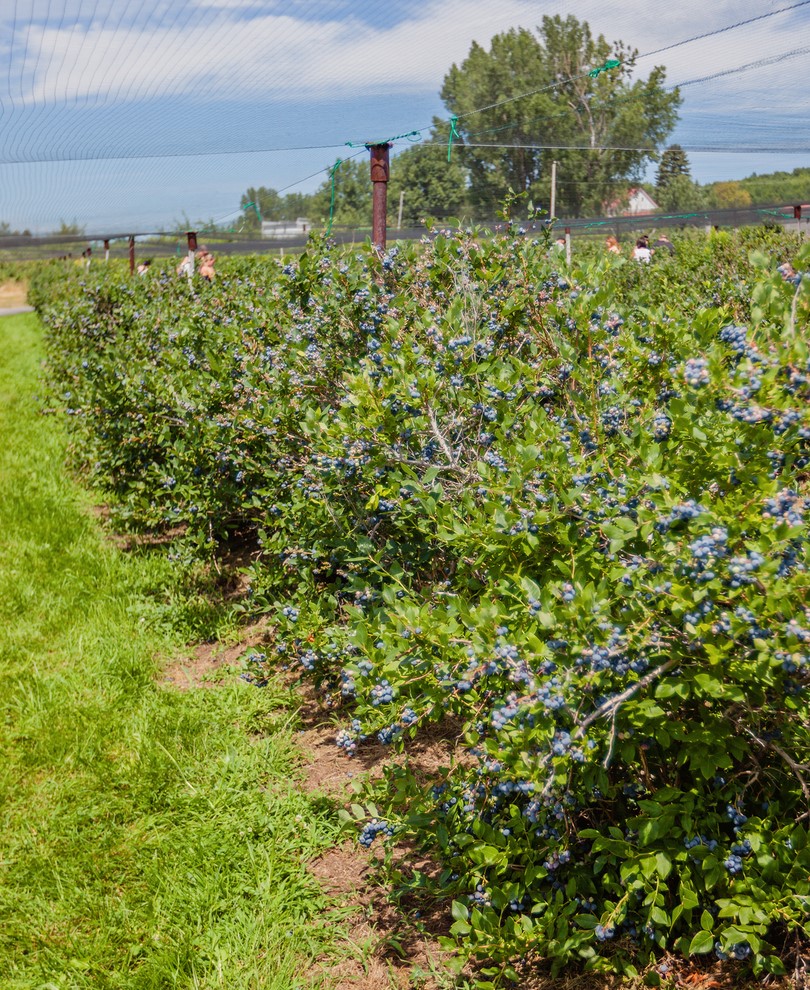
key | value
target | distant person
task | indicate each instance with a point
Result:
(789, 273)
(206, 265)
(664, 244)
(642, 252)
(143, 267)
(612, 245)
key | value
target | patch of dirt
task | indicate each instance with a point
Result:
(209, 663)
(328, 770)
(394, 943)
(13, 295)
(390, 948)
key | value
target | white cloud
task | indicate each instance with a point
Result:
(210, 45)
(343, 63)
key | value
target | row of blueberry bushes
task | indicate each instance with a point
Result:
(555, 517)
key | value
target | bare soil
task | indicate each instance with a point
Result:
(13, 295)
(209, 664)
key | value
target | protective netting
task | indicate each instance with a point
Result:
(158, 115)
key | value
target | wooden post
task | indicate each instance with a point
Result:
(380, 171)
(401, 204)
(568, 245)
(131, 254)
(107, 249)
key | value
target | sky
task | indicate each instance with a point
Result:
(150, 114)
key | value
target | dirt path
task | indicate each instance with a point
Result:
(14, 298)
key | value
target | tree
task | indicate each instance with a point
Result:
(681, 195)
(432, 187)
(265, 203)
(257, 205)
(603, 115)
(673, 163)
(352, 195)
(69, 228)
(730, 195)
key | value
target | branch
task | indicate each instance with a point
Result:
(609, 756)
(794, 766)
(425, 465)
(434, 426)
(612, 705)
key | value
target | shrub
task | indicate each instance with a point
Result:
(564, 511)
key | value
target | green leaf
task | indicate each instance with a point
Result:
(459, 911)
(663, 864)
(702, 942)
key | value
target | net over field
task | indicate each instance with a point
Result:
(163, 114)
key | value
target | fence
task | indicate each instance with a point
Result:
(20, 247)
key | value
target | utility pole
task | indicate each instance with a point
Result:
(380, 171)
(553, 206)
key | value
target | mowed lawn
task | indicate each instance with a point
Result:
(149, 838)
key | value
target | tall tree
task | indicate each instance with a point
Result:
(673, 162)
(69, 228)
(730, 195)
(544, 89)
(257, 205)
(267, 204)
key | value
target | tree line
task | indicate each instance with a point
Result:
(583, 94)
(556, 93)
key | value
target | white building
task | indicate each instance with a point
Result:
(637, 202)
(282, 230)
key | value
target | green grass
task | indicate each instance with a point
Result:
(149, 838)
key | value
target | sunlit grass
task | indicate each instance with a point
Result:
(150, 838)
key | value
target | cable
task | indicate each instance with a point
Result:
(175, 154)
(702, 149)
(678, 44)
(730, 27)
(760, 63)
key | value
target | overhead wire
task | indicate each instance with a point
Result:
(635, 58)
(729, 27)
(137, 95)
(702, 149)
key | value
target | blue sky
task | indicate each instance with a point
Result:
(132, 116)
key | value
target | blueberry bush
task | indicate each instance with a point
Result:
(561, 514)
